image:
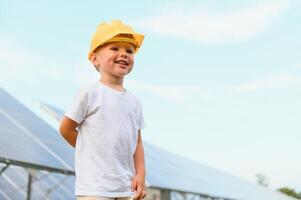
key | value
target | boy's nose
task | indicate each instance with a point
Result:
(123, 54)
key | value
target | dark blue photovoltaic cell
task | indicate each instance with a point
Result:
(25, 137)
(20, 131)
(16, 145)
(9, 190)
(44, 186)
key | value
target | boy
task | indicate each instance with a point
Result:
(104, 122)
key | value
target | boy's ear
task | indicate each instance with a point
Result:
(93, 60)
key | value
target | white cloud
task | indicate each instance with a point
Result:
(266, 83)
(185, 96)
(174, 93)
(208, 26)
(191, 94)
(18, 63)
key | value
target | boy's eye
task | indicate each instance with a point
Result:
(130, 51)
(114, 48)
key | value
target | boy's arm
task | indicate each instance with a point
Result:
(138, 183)
(139, 157)
(68, 130)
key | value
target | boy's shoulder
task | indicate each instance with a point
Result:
(132, 96)
(87, 91)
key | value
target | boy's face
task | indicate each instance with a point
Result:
(114, 59)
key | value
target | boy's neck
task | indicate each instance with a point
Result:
(115, 83)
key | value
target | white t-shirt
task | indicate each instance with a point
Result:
(109, 121)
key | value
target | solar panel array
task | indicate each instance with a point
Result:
(27, 138)
(45, 185)
(174, 172)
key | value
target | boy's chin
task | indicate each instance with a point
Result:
(121, 75)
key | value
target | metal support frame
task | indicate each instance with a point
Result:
(165, 194)
(9, 162)
(36, 166)
(4, 168)
(29, 187)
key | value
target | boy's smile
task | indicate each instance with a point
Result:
(123, 63)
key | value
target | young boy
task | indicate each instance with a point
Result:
(105, 120)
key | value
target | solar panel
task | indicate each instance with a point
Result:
(45, 185)
(28, 141)
(25, 137)
(170, 171)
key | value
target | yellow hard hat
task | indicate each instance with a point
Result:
(115, 31)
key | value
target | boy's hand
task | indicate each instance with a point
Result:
(138, 185)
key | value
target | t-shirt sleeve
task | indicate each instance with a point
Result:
(79, 106)
(141, 123)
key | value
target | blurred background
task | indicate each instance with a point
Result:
(219, 81)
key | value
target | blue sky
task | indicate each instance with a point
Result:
(219, 81)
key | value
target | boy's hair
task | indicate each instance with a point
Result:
(115, 31)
